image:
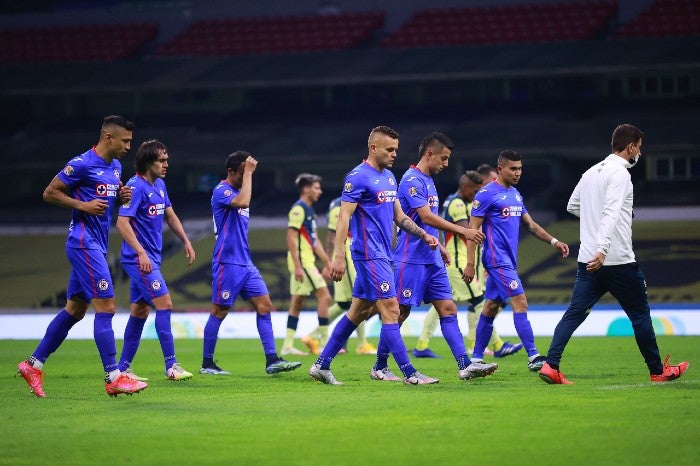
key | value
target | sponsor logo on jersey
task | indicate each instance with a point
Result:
(512, 211)
(412, 191)
(244, 212)
(155, 284)
(103, 285)
(68, 170)
(156, 209)
(386, 196)
(433, 201)
(384, 286)
(106, 189)
(348, 187)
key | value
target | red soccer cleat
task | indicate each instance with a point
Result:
(553, 376)
(124, 384)
(670, 372)
(33, 377)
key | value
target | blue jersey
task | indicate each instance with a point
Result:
(230, 227)
(501, 209)
(416, 190)
(371, 226)
(147, 211)
(90, 177)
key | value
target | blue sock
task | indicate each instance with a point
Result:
(56, 332)
(132, 339)
(211, 335)
(165, 336)
(342, 331)
(524, 329)
(383, 352)
(392, 335)
(267, 337)
(104, 339)
(455, 340)
(484, 329)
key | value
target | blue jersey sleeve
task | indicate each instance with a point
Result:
(482, 202)
(413, 191)
(73, 173)
(353, 188)
(130, 208)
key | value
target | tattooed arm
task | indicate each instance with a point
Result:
(409, 226)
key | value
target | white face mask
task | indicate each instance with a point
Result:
(633, 161)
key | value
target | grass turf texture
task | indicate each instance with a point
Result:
(612, 415)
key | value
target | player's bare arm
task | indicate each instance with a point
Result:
(541, 234)
(341, 233)
(57, 193)
(292, 235)
(470, 270)
(127, 232)
(177, 228)
(242, 200)
(429, 218)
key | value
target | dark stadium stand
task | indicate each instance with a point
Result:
(509, 24)
(664, 18)
(265, 35)
(65, 44)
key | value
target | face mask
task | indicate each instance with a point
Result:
(633, 161)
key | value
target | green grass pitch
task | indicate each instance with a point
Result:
(612, 415)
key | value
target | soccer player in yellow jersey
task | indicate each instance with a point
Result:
(303, 246)
(457, 209)
(342, 290)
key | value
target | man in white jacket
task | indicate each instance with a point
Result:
(603, 201)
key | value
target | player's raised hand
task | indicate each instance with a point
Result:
(250, 165)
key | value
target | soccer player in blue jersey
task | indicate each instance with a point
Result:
(369, 209)
(457, 209)
(140, 224)
(500, 208)
(342, 291)
(90, 185)
(303, 245)
(420, 274)
(233, 271)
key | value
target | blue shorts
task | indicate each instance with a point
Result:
(417, 283)
(145, 287)
(374, 280)
(231, 280)
(503, 283)
(89, 276)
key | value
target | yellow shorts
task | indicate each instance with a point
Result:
(461, 290)
(313, 280)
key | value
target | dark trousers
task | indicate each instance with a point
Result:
(626, 283)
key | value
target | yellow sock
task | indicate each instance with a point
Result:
(323, 335)
(289, 338)
(361, 334)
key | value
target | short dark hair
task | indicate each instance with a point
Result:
(235, 159)
(437, 140)
(117, 121)
(624, 135)
(484, 169)
(385, 130)
(306, 179)
(473, 176)
(148, 152)
(508, 155)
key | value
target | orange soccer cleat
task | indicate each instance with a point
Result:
(670, 372)
(124, 384)
(553, 376)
